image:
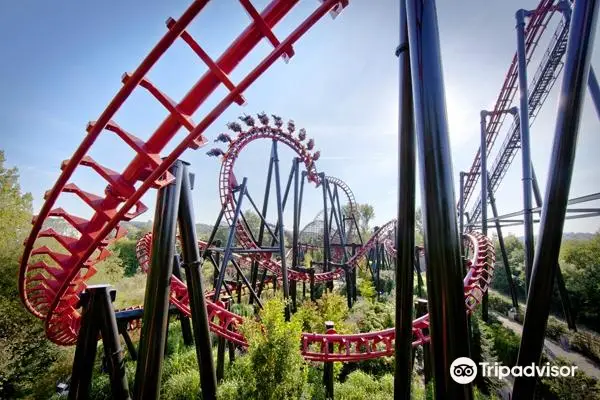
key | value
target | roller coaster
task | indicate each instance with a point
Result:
(53, 285)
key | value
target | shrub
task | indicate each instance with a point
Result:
(483, 351)
(501, 304)
(506, 343)
(331, 307)
(587, 344)
(579, 386)
(555, 329)
(362, 386)
(274, 367)
(182, 386)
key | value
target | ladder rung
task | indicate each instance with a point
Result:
(76, 222)
(68, 242)
(214, 68)
(265, 29)
(112, 177)
(90, 199)
(62, 259)
(165, 100)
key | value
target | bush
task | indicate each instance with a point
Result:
(274, 367)
(586, 343)
(501, 304)
(555, 329)
(506, 343)
(331, 307)
(362, 386)
(579, 386)
(368, 316)
(182, 386)
(483, 351)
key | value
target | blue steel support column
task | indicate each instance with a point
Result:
(577, 66)
(405, 227)
(525, 145)
(284, 271)
(484, 197)
(227, 252)
(326, 249)
(448, 318)
(594, 90)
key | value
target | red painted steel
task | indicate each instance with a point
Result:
(51, 291)
(347, 347)
(315, 347)
(533, 31)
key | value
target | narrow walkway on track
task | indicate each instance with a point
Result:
(581, 361)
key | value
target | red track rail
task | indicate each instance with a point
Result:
(350, 347)
(533, 31)
(50, 288)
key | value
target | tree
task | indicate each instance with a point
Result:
(419, 226)
(581, 269)
(125, 249)
(367, 213)
(25, 354)
(253, 221)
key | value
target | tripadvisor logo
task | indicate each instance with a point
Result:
(464, 370)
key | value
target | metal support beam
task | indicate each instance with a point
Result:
(295, 227)
(448, 319)
(193, 272)
(328, 365)
(156, 300)
(509, 277)
(98, 317)
(186, 329)
(405, 226)
(484, 197)
(261, 231)
(575, 75)
(227, 254)
(326, 248)
(284, 271)
(525, 142)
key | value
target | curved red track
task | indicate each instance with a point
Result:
(347, 347)
(49, 286)
(315, 347)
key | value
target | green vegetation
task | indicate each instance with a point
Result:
(25, 354)
(273, 367)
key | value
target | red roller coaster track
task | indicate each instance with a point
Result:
(50, 287)
(534, 29)
(348, 347)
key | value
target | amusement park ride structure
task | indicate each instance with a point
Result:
(53, 285)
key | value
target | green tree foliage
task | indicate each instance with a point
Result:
(330, 307)
(482, 350)
(515, 251)
(581, 270)
(25, 354)
(362, 386)
(273, 367)
(125, 248)
(253, 222)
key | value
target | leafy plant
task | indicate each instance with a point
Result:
(273, 367)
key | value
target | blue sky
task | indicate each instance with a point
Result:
(64, 60)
